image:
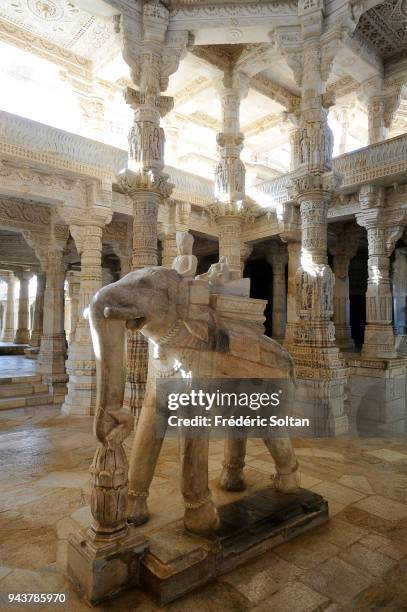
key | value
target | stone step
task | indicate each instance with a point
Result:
(19, 389)
(30, 378)
(36, 399)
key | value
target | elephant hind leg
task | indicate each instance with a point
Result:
(201, 516)
(231, 478)
(287, 479)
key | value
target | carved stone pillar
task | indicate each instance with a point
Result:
(379, 338)
(23, 333)
(145, 215)
(8, 329)
(343, 246)
(278, 260)
(294, 261)
(81, 365)
(376, 114)
(151, 62)
(51, 358)
(230, 210)
(320, 369)
(399, 278)
(291, 122)
(36, 333)
(72, 303)
(341, 303)
(169, 252)
(245, 251)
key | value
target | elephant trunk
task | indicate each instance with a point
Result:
(108, 338)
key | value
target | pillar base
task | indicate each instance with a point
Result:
(22, 336)
(322, 377)
(401, 344)
(35, 339)
(379, 342)
(80, 399)
(343, 338)
(8, 335)
(100, 570)
(378, 395)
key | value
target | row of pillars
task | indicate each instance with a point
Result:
(21, 334)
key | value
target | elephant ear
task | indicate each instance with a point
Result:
(197, 329)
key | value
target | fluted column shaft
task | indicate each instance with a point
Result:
(23, 333)
(36, 333)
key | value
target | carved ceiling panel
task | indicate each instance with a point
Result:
(385, 27)
(61, 22)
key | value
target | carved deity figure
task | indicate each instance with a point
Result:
(185, 263)
(218, 273)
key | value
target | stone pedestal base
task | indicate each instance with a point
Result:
(323, 403)
(379, 342)
(343, 337)
(320, 395)
(401, 345)
(22, 336)
(80, 399)
(377, 393)
(100, 570)
(177, 563)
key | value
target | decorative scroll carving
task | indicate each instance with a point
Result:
(24, 214)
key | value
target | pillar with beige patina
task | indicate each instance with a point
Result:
(8, 331)
(36, 333)
(22, 335)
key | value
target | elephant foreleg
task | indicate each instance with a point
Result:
(201, 515)
(287, 479)
(231, 478)
(143, 460)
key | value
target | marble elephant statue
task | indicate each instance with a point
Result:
(187, 333)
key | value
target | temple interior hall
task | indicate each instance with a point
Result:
(265, 142)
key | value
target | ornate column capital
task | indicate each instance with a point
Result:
(133, 183)
(317, 185)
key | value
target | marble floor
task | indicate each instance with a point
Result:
(358, 561)
(17, 365)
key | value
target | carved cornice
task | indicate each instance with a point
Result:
(76, 64)
(29, 141)
(24, 215)
(220, 14)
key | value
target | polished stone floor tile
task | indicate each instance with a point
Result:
(349, 562)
